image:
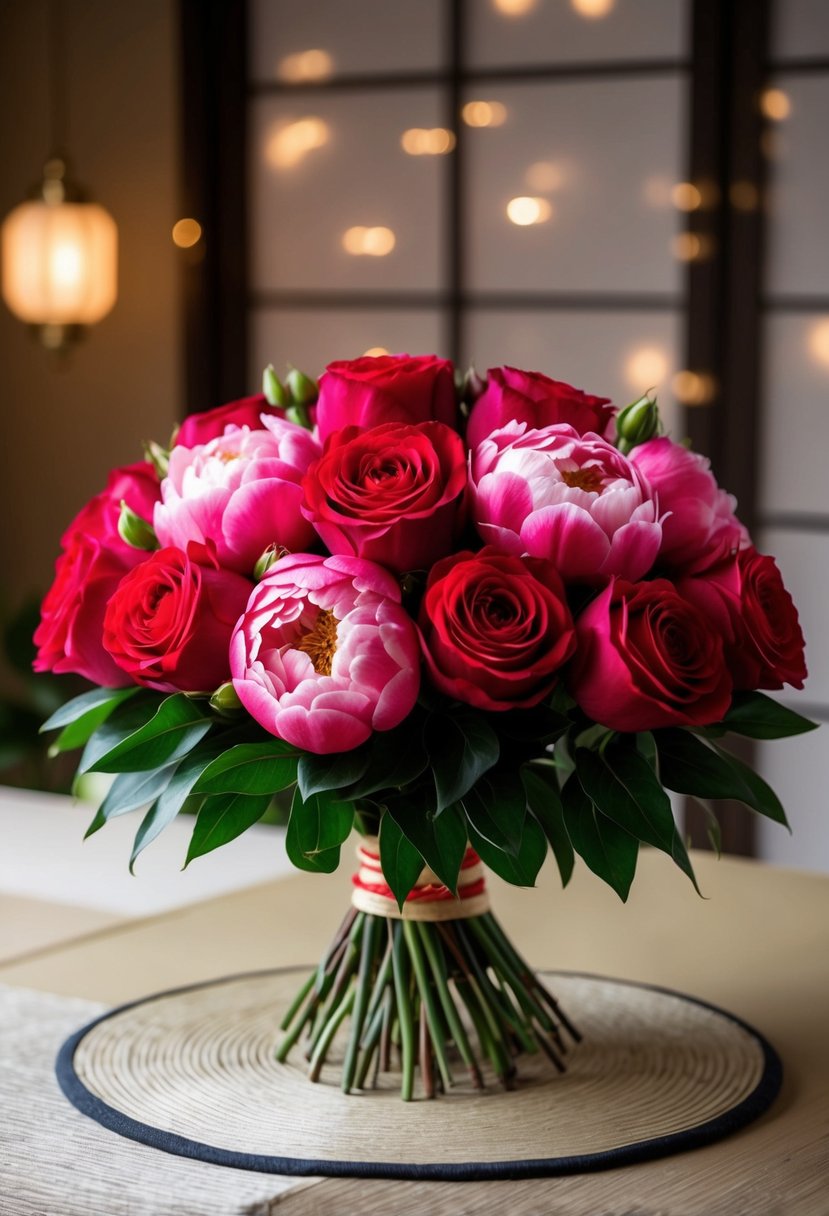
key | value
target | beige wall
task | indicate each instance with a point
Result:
(63, 427)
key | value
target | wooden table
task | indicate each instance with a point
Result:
(757, 945)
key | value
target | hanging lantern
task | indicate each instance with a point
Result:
(60, 256)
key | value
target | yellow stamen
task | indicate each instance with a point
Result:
(320, 644)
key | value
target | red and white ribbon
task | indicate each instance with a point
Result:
(429, 899)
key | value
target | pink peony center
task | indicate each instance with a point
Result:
(320, 643)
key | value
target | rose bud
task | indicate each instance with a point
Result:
(169, 622)
(511, 395)
(241, 491)
(495, 629)
(746, 597)
(637, 423)
(392, 494)
(572, 499)
(201, 428)
(699, 526)
(392, 388)
(324, 653)
(647, 658)
(93, 561)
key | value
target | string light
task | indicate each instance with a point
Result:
(375, 352)
(685, 196)
(427, 141)
(525, 211)
(775, 104)
(186, 233)
(305, 65)
(818, 341)
(694, 388)
(484, 113)
(593, 9)
(514, 8)
(646, 367)
(289, 144)
(369, 242)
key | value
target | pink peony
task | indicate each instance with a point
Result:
(241, 491)
(324, 653)
(515, 396)
(700, 526)
(572, 499)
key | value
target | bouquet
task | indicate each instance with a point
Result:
(475, 618)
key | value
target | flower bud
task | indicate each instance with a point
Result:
(273, 388)
(158, 457)
(224, 700)
(303, 389)
(135, 531)
(268, 559)
(637, 423)
(473, 386)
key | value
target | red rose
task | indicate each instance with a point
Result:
(648, 658)
(93, 562)
(168, 624)
(747, 599)
(513, 395)
(393, 388)
(201, 428)
(495, 629)
(392, 494)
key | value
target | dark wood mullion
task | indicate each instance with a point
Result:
(725, 310)
(213, 40)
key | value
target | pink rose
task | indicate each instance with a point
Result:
(169, 621)
(573, 499)
(393, 388)
(92, 563)
(495, 629)
(201, 428)
(324, 653)
(746, 600)
(392, 494)
(241, 491)
(700, 525)
(515, 396)
(646, 658)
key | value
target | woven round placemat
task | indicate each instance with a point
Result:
(192, 1072)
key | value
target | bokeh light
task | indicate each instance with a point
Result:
(484, 113)
(427, 141)
(525, 211)
(369, 242)
(290, 143)
(186, 233)
(303, 66)
(646, 367)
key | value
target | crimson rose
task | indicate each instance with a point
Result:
(168, 625)
(495, 629)
(93, 561)
(201, 428)
(648, 658)
(515, 396)
(392, 388)
(392, 494)
(746, 596)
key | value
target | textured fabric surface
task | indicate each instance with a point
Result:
(56, 1162)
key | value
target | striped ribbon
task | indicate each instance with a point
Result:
(429, 899)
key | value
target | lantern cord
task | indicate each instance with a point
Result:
(58, 120)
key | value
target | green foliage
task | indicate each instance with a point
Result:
(606, 848)
(703, 770)
(461, 749)
(760, 717)
(317, 828)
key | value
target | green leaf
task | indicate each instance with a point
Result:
(317, 774)
(177, 725)
(761, 717)
(250, 768)
(461, 749)
(87, 703)
(395, 758)
(521, 869)
(124, 721)
(532, 724)
(608, 850)
(712, 824)
(689, 766)
(439, 839)
(624, 787)
(180, 787)
(544, 802)
(496, 808)
(316, 830)
(129, 792)
(399, 859)
(222, 818)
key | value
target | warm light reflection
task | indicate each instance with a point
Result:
(775, 104)
(525, 211)
(592, 9)
(646, 367)
(427, 141)
(694, 388)
(818, 341)
(691, 247)
(545, 176)
(656, 190)
(305, 65)
(375, 352)
(186, 233)
(484, 113)
(514, 8)
(369, 242)
(685, 196)
(289, 144)
(744, 196)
